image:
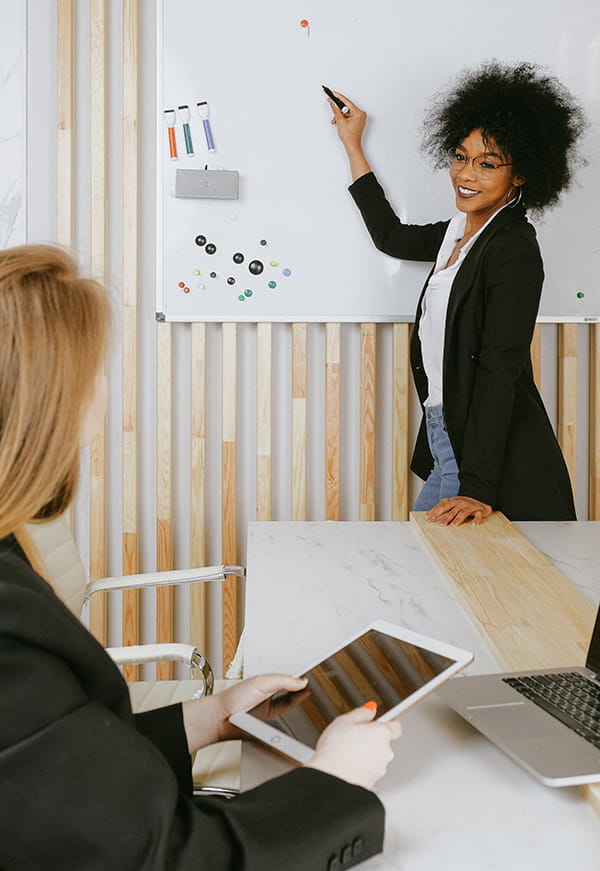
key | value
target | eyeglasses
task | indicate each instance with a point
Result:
(484, 165)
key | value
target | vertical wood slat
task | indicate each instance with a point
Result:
(594, 423)
(567, 396)
(199, 593)
(229, 613)
(65, 104)
(400, 419)
(164, 497)
(536, 355)
(98, 562)
(299, 378)
(333, 362)
(264, 462)
(368, 344)
(130, 545)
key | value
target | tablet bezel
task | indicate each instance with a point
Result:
(300, 752)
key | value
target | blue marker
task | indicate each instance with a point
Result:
(184, 114)
(203, 110)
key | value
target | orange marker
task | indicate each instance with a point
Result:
(170, 119)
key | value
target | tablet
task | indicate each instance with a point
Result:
(388, 664)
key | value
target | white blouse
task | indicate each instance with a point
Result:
(435, 304)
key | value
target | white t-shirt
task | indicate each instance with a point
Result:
(434, 306)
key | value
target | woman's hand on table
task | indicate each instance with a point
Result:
(206, 720)
(454, 510)
(356, 749)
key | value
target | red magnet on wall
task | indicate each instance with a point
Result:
(305, 23)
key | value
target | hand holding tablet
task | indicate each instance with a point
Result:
(388, 664)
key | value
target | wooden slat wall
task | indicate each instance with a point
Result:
(199, 593)
(130, 547)
(65, 104)
(230, 595)
(212, 523)
(333, 422)
(98, 73)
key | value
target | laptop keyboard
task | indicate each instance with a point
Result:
(569, 696)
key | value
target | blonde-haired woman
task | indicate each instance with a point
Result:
(85, 784)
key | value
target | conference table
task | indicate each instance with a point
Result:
(453, 800)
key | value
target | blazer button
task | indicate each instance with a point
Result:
(474, 358)
(333, 864)
(418, 367)
(346, 854)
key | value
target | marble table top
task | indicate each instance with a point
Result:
(452, 798)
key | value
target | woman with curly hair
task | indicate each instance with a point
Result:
(507, 134)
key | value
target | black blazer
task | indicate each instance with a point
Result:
(86, 786)
(506, 450)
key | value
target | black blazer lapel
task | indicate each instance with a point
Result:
(466, 274)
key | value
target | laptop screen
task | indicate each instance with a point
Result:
(593, 657)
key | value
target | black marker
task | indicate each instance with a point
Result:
(339, 103)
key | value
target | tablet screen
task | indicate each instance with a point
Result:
(374, 666)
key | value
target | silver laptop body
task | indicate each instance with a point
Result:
(526, 715)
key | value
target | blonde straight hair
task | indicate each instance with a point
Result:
(54, 328)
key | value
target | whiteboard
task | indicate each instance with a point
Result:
(260, 67)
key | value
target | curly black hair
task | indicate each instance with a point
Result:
(530, 115)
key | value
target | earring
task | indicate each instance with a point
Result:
(519, 198)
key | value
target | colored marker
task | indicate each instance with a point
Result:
(203, 110)
(170, 119)
(339, 103)
(184, 114)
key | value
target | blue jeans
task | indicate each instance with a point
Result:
(443, 478)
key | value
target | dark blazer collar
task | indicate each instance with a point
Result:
(463, 280)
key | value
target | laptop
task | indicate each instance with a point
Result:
(547, 720)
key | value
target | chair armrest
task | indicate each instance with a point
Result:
(159, 579)
(138, 654)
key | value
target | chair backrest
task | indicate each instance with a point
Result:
(51, 550)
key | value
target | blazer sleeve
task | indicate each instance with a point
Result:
(513, 283)
(389, 234)
(82, 789)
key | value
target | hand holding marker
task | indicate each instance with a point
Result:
(339, 103)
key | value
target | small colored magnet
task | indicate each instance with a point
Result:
(580, 295)
(238, 257)
(170, 119)
(263, 242)
(273, 263)
(182, 284)
(186, 289)
(248, 292)
(200, 240)
(242, 298)
(272, 284)
(255, 267)
(231, 280)
(210, 248)
(286, 271)
(305, 24)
